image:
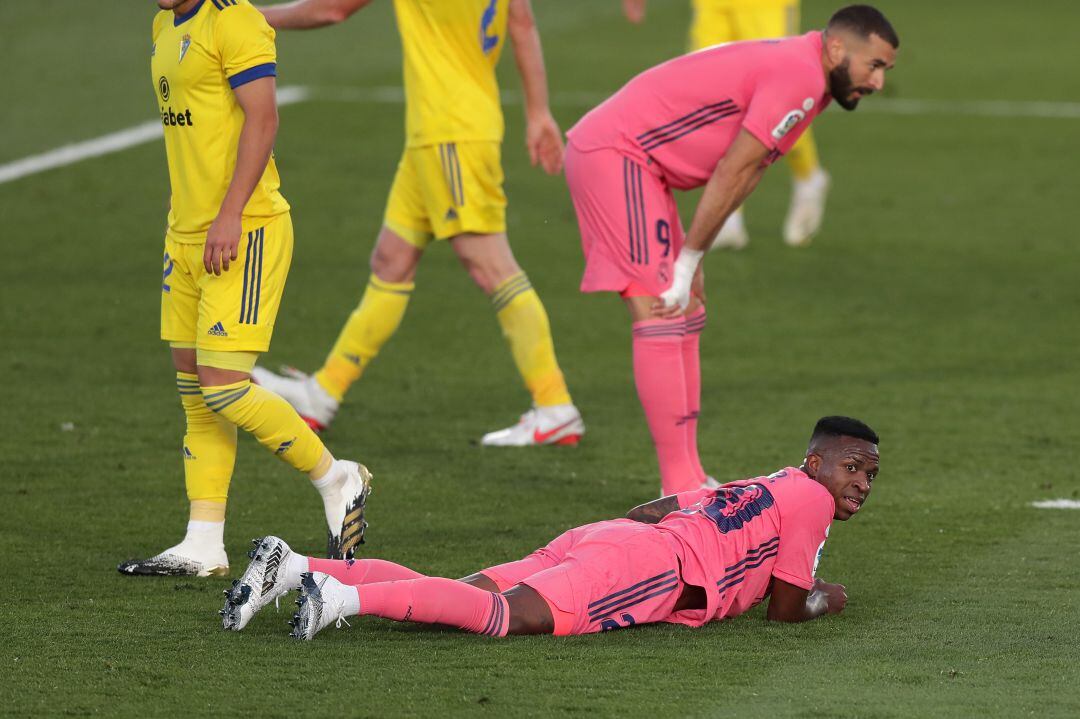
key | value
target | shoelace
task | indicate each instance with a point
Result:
(341, 620)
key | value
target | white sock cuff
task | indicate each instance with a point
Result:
(329, 481)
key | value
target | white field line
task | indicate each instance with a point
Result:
(150, 131)
(1057, 504)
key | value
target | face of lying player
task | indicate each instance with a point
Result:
(859, 69)
(847, 467)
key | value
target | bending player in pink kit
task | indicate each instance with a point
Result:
(715, 118)
(690, 558)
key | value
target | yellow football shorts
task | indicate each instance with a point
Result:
(718, 21)
(441, 191)
(234, 311)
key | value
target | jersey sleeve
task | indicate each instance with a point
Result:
(804, 524)
(245, 42)
(782, 99)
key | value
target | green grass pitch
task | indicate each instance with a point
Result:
(939, 304)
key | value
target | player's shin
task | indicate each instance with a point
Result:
(661, 386)
(361, 571)
(525, 325)
(368, 328)
(434, 600)
(691, 355)
(209, 453)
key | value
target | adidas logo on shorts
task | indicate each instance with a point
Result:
(218, 331)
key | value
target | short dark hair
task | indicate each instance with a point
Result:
(838, 426)
(864, 21)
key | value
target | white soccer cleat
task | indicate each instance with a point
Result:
(559, 424)
(733, 235)
(345, 509)
(807, 209)
(313, 403)
(264, 581)
(184, 560)
(321, 603)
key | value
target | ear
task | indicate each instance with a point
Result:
(812, 464)
(834, 47)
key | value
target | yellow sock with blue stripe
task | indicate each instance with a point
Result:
(526, 328)
(272, 421)
(368, 328)
(803, 157)
(209, 452)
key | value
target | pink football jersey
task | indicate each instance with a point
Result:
(735, 539)
(680, 117)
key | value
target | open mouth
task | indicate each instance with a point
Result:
(853, 503)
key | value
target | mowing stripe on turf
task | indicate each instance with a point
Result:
(150, 131)
(1057, 504)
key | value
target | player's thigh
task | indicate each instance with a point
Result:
(406, 212)
(238, 308)
(394, 258)
(713, 23)
(182, 267)
(463, 188)
(618, 575)
(771, 19)
(629, 223)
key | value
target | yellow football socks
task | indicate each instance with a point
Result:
(273, 421)
(525, 326)
(368, 328)
(803, 157)
(209, 452)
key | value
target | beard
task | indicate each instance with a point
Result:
(841, 87)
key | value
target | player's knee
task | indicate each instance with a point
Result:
(529, 612)
(391, 266)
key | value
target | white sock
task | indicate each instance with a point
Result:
(351, 595)
(329, 484)
(205, 535)
(297, 565)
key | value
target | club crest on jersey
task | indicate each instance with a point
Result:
(185, 43)
(790, 120)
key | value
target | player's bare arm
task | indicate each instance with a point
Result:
(652, 512)
(309, 14)
(634, 10)
(542, 135)
(258, 101)
(795, 604)
(735, 177)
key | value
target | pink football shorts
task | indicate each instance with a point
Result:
(609, 575)
(629, 223)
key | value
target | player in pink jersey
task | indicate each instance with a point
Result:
(715, 118)
(689, 558)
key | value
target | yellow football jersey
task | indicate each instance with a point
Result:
(451, 48)
(196, 61)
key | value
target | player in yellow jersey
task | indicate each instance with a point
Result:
(449, 187)
(227, 252)
(720, 21)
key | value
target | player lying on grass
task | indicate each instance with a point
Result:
(689, 558)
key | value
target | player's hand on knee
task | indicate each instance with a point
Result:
(222, 242)
(673, 301)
